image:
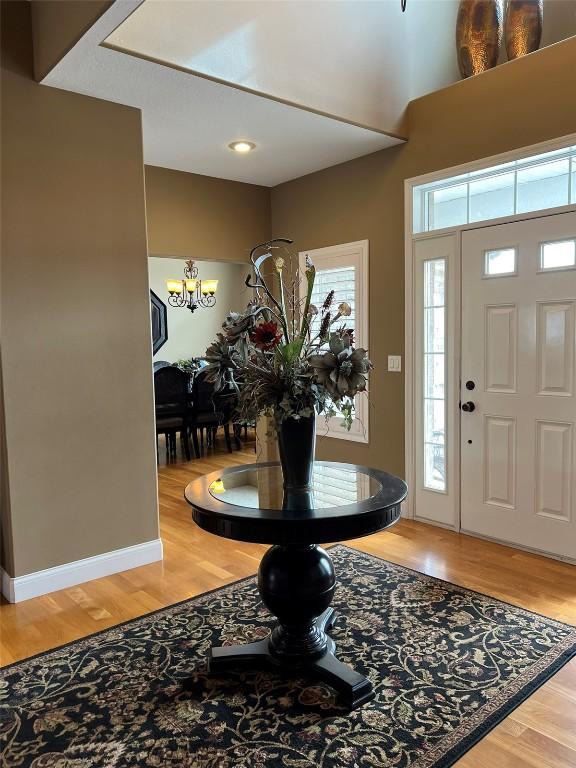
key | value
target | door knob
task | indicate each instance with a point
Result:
(468, 407)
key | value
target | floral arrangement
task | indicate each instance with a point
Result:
(284, 356)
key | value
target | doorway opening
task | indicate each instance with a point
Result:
(192, 421)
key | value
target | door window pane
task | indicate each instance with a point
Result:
(558, 255)
(500, 262)
(434, 371)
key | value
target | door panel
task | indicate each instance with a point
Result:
(518, 454)
(555, 347)
(554, 479)
(501, 347)
(500, 461)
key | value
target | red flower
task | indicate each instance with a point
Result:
(266, 336)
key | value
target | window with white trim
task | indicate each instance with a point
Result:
(344, 269)
(539, 182)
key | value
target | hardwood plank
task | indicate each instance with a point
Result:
(540, 733)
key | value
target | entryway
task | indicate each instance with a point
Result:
(491, 350)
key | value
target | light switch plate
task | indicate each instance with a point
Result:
(395, 363)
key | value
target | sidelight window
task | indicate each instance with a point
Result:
(434, 371)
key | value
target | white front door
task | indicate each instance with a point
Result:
(518, 380)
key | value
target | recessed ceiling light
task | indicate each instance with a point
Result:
(242, 146)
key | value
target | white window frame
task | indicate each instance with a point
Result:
(415, 507)
(354, 254)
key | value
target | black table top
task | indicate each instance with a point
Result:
(247, 503)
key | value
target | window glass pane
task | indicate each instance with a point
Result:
(448, 207)
(434, 283)
(434, 329)
(434, 422)
(434, 467)
(500, 262)
(434, 375)
(547, 180)
(543, 186)
(341, 280)
(434, 367)
(558, 255)
(492, 197)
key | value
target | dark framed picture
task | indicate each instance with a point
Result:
(159, 318)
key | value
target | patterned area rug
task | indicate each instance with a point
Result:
(447, 665)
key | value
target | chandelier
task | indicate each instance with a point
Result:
(191, 292)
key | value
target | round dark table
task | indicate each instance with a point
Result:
(296, 577)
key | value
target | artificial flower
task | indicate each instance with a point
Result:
(238, 324)
(342, 370)
(303, 376)
(344, 309)
(266, 336)
(328, 301)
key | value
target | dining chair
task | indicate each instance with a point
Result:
(209, 411)
(171, 407)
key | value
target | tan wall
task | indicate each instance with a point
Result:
(204, 218)
(76, 347)
(518, 104)
(6, 552)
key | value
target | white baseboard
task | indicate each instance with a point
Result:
(70, 574)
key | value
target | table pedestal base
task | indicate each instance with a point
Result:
(296, 584)
(354, 688)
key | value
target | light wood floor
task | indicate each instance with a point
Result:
(539, 734)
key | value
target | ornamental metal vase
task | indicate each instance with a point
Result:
(523, 27)
(478, 35)
(296, 445)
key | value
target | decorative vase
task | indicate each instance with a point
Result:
(523, 27)
(296, 445)
(478, 35)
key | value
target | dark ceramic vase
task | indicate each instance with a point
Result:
(296, 445)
